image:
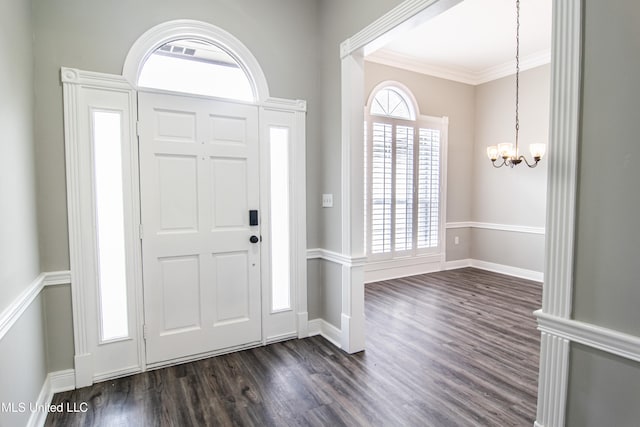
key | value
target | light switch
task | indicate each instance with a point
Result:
(327, 200)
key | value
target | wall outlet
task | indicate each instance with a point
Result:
(327, 200)
(456, 240)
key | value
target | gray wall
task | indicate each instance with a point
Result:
(606, 291)
(510, 196)
(440, 97)
(608, 235)
(19, 264)
(22, 364)
(58, 321)
(339, 20)
(22, 353)
(604, 389)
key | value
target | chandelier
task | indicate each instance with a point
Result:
(506, 151)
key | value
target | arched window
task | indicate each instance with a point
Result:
(403, 175)
(196, 67)
(391, 101)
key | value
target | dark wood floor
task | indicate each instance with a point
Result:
(456, 348)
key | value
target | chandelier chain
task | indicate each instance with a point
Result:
(517, 69)
(505, 151)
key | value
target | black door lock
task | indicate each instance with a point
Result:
(254, 239)
(253, 217)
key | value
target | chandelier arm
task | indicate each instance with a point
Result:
(493, 162)
(531, 165)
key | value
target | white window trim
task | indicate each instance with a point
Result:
(78, 87)
(420, 121)
(196, 30)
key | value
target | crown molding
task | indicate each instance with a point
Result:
(458, 74)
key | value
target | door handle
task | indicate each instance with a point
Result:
(254, 239)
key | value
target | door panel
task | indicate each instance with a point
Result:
(199, 178)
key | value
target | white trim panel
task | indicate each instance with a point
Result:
(499, 227)
(375, 271)
(326, 330)
(454, 265)
(562, 187)
(336, 257)
(536, 276)
(522, 273)
(603, 339)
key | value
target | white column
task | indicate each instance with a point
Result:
(561, 198)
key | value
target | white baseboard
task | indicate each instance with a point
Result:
(55, 382)
(536, 276)
(62, 380)
(460, 263)
(376, 271)
(326, 330)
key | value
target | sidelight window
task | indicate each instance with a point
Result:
(109, 212)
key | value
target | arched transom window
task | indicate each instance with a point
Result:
(196, 67)
(392, 102)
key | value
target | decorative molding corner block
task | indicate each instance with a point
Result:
(57, 278)
(272, 103)
(90, 78)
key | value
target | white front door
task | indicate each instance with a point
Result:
(199, 178)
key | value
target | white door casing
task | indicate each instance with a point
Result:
(105, 360)
(199, 178)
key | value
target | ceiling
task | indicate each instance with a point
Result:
(474, 41)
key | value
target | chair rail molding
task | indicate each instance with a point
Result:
(499, 227)
(12, 313)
